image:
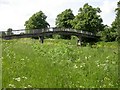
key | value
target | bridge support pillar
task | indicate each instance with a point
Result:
(41, 39)
(79, 41)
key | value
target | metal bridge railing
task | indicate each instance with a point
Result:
(35, 31)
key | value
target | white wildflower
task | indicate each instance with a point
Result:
(107, 57)
(22, 59)
(75, 66)
(86, 57)
(24, 77)
(81, 86)
(29, 86)
(89, 56)
(107, 61)
(102, 65)
(81, 66)
(17, 79)
(11, 85)
(98, 65)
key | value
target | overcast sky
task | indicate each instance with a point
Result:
(14, 13)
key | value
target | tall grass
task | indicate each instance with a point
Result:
(58, 63)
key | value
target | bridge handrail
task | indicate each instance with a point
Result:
(35, 31)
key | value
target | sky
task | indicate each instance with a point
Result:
(14, 13)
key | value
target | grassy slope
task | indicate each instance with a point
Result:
(58, 63)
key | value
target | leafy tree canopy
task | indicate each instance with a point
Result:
(111, 33)
(37, 21)
(116, 24)
(9, 31)
(2, 33)
(64, 19)
(88, 19)
(118, 14)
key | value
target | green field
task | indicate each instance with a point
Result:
(58, 63)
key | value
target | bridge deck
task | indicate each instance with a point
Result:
(44, 32)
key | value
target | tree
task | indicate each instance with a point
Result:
(64, 19)
(88, 19)
(111, 33)
(2, 33)
(9, 31)
(118, 17)
(37, 21)
(108, 34)
(117, 20)
(116, 24)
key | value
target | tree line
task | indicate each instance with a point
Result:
(87, 19)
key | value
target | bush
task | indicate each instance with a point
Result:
(65, 37)
(56, 36)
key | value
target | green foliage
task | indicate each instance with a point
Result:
(9, 31)
(37, 21)
(109, 34)
(114, 30)
(64, 19)
(55, 36)
(117, 20)
(88, 19)
(2, 33)
(58, 63)
(74, 38)
(116, 23)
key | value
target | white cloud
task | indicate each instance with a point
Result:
(14, 13)
(108, 11)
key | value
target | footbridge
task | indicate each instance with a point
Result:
(41, 33)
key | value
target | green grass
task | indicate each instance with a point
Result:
(58, 64)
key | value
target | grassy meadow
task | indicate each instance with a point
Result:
(58, 63)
